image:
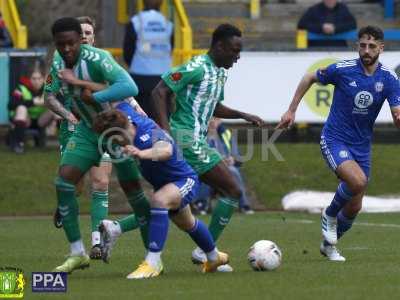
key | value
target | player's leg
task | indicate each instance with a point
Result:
(80, 155)
(129, 178)
(100, 179)
(167, 197)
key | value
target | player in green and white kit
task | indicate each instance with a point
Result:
(199, 89)
(99, 176)
(85, 148)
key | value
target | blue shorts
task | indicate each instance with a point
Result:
(336, 152)
(188, 188)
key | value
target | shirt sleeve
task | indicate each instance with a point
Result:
(178, 78)
(53, 83)
(393, 96)
(327, 75)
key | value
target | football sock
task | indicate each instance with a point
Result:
(158, 229)
(77, 248)
(141, 206)
(128, 223)
(202, 236)
(153, 258)
(342, 196)
(221, 215)
(99, 208)
(68, 208)
(343, 224)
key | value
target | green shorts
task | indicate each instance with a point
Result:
(84, 151)
(64, 134)
(200, 156)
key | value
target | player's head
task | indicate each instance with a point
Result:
(152, 4)
(114, 124)
(67, 34)
(226, 45)
(370, 44)
(88, 28)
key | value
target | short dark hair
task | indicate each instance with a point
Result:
(373, 31)
(224, 32)
(87, 20)
(66, 24)
(109, 122)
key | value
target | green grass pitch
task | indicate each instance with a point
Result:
(370, 272)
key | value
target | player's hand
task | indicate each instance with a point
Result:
(396, 117)
(67, 75)
(287, 120)
(87, 97)
(131, 151)
(255, 120)
(72, 119)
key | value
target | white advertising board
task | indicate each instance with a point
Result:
(263, 83)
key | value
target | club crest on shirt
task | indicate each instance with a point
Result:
(176, 76)
(378, 86)
(49, 79)
(343, 154)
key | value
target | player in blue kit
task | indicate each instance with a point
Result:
(174, 181)
(361, 87)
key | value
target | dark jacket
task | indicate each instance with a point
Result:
(5, 38)
(318, 14)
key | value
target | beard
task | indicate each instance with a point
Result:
(369, 60)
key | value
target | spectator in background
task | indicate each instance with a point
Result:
(27, 111)
(5, 38)
(221, 139)
(147, 50)
(328, 17)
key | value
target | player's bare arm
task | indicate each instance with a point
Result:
(288, 117)
(160, 151)
(222, 111)
(159, 98)
(396, 115)
(68, 76)
(55, 106)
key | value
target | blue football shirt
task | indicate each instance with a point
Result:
(357, 99)
(157, 173)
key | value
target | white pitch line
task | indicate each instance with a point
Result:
(304, 221)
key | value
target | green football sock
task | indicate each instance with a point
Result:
(69, 209)
(221, 215)
(99, 208)
(141, 206)
(129, 223)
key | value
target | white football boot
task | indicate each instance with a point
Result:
(109, 233)
(329, 227)
(331, 252)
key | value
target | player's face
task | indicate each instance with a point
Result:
(68, 44)
(87, 34)
(230, 51)
(369, 49)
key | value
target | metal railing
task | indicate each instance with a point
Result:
(18, 32)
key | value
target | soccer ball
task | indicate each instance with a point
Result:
(264, 256)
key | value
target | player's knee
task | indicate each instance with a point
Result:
(130, 186)
(358, 185)
(100, 183)
(158, 201)
(234, 192)
(62, 184)
(353, 208)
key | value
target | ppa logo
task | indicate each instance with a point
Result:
(49, 282)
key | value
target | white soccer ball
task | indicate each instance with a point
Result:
(264, 256)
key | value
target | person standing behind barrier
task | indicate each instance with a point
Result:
(5, 38)
(328, 17)
(147, 50)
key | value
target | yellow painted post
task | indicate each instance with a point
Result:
(301, 39)
(122, 11)
(255, 9)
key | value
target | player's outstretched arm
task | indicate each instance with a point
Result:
(224, 112)
(396, 115)
(68, 76)
(160, 151)
(55, 106)
(288, 117)
(159, 101)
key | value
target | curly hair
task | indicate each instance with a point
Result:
(106, 121)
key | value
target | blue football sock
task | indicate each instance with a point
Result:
(343, 224)
(342, 196)
(202, 236)
(158, 229)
